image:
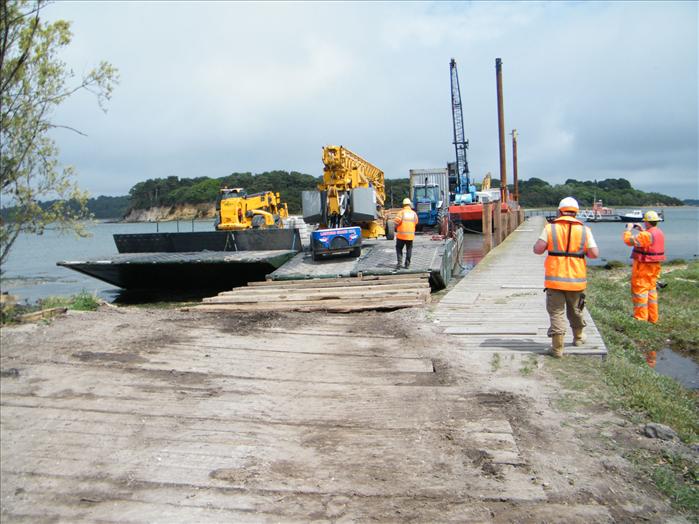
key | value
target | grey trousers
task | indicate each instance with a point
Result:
(562, 304)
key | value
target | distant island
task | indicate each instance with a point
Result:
(173, 198)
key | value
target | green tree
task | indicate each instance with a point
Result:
(33, 83)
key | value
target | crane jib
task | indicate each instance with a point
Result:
(460, 142)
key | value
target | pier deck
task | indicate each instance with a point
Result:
(500, 305)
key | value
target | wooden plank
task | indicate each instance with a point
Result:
(333, 280)
(268, 290)
(495, 330)
(325, 295)
(339, 306)
(42, 314)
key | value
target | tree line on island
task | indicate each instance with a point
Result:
(174, 191)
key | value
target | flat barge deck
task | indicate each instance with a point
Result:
(224, 260)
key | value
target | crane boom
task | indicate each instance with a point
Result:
(345, 170)
(462, 181)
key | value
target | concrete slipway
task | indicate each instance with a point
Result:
(146, 415)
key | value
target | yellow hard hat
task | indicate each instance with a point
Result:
(407, 202)
(569, 204)
(651, 216)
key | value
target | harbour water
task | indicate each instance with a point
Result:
(31, 272)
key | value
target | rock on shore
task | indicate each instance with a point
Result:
(176, 212)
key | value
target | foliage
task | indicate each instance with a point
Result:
(101, 207)
(172, 190)
(83, 301)
(33, 83)
(396, 190)
(612, 191)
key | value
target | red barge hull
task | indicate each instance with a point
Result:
(470, 216)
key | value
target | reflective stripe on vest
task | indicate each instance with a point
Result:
(655, 252)
(565, 267)
(406, 228)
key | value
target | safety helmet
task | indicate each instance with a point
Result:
(651, 216)
(569, 204)
(407, 202)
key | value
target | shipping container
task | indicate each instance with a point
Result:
(436, 176)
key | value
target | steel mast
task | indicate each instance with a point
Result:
(460, 142)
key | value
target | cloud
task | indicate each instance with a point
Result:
(211, 88)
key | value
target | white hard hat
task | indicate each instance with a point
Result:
(407, 202)
(569, 204)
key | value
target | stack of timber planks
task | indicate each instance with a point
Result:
(338, 295)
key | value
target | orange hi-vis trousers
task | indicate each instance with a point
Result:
(644, 293)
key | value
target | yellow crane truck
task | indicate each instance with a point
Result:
(237, 210)
(348, 205)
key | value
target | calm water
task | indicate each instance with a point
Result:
(31, 272)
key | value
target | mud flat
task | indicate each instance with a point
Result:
(131, 414)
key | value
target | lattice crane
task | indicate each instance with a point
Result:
(463, 182)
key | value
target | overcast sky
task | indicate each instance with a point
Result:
(595, 90)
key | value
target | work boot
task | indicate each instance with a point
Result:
(578, 337)
(407, 265)
(400, 263)
(557, 345)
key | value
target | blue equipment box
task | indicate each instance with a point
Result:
(336, 240)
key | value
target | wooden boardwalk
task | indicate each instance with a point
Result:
(500, 304)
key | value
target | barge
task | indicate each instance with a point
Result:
(215, 260)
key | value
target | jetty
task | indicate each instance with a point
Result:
(190, 416)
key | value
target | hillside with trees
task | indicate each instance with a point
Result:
(172, 191)
(612, 191)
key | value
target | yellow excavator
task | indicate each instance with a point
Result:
(237, 210)
(352, 193)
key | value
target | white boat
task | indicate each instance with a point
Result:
(636, 216)
(633, 216)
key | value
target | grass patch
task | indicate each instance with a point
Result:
(83, 301)
(495, 362)
(529, 364)
(624, 381)
(673, 475)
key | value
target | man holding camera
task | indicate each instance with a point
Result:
(648, 244)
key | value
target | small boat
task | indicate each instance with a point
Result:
(599, 213)
(633, 216)
(637, 216)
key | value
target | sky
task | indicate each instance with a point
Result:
(595, 89)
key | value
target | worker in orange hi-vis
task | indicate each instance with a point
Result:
(406, 222)
(648, 244)
(567, 242)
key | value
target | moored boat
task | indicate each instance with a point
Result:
(600, 213)
(636, 216)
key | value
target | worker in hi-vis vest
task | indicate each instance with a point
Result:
(406, 221)
(648, 244)
(568, 241)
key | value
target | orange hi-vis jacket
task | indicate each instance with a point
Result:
(565, 266)
(405, 224)
(648, 246)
